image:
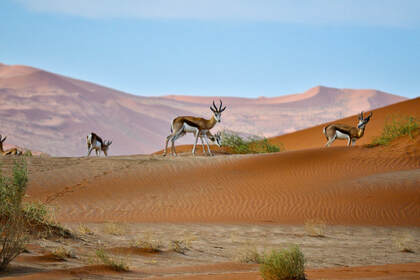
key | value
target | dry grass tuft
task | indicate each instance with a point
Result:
(315, 228)
(148, 244)
(84, 229)
(62, 253)
(404, 242)
(249, 254)
(114, 229)
(179, 246)
(115, 263)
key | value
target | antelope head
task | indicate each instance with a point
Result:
(363, 121)
(217, 112)
(217, 139)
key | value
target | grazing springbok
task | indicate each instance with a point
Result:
(200, 127)
(12, 151)
(215, 138)
(346, 132)
(96, 142)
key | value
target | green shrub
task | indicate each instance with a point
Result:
(395, 127)
(252, 145)
(13, 235)
(27, 153)
(286, 264)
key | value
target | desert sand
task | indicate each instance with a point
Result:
(365, 199)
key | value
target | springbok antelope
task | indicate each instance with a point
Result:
(96, 142)
(349, 133)
(215, 138)
(12, 151)
(200, 127)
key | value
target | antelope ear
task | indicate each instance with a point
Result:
(4, 139)
(223, 109)
(211, 108)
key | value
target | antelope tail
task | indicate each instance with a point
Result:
(325, 131)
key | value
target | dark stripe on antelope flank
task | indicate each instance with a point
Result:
(97, 138)
(343, 131)
(190, 123)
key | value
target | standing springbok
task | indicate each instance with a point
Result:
(198, 126)
(12, 151)
(96, 142)
(349, 133)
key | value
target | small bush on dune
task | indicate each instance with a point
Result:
(286, 264)
(252, 145)
(13, 235)
(117, 264)
(395, 127)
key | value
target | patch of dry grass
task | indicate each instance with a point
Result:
(148, 244)
(62, 253)
(84, 229)
(404, 242)
(114, 229)
(179, 246)
(315, 228)
(115, 263)
(249, 254)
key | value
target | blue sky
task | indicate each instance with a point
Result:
(243, 48)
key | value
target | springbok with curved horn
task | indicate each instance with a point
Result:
(12, 151)
(346, 132)
(200, 127)
(94, 142)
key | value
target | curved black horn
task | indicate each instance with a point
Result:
(214, 105)
(220, 107)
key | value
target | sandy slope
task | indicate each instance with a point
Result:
(313, 137)
(337, 185)
(376, 186)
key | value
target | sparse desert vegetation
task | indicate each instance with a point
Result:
(249, 254)
(251, 145)
(114, 229)
(62, 253)
(284, 264)
(13, 231)
(404, 242)
(179, 246)
(397, 126)
(315, 228)
(148, 244)
(115, 263)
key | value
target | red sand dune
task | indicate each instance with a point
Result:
(52, 113)
(340, 185)
(233, 271)
(313, 137)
